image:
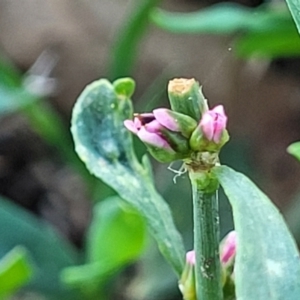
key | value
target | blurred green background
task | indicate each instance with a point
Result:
(63, 234)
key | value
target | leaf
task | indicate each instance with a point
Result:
(15, 271)
(14, 99)
(115, 237)
(105, 146)
(295, 11)
(125, 47)
(122, 229)
(12, 94)
(267, 264)
(264, 31)
(294, 149)
(49, 253)
(224, 19)
(269, 44)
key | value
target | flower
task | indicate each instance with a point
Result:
(187, 283)
(186, 130)
(165, 133)
(191, 257)
(211, 134)
(148, 129)
(213, 123)
(227, 256)
(228, 248)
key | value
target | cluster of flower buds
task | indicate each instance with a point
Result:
(187, 284)
(188, 127)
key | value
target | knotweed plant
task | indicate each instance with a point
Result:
(259, 260)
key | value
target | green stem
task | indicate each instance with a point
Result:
(206, 242)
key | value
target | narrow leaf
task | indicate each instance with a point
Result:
(105, 146)
(294, 149)
(295, 11)
(15, 271)
(267, 263)
(125, 47)
(115, 237)
(48, 251)
(224, 19)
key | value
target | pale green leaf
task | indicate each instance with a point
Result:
(295, 11)
(267, 263)
(105, 146)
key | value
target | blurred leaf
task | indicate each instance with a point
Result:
(225, 19)
(122, 229)
(9, 75)
(48, 251)
(295, 11)
(15, 271)
(265, 31)
(294, 149)
(105, 146)
(13, 96)
(269, 44)
(14, 99)
(267, 264)
(43, 119)
(125, 47)
(116, 237)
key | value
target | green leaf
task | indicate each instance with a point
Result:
(115, 237)
(124, 51)
(12, 94)
(295, 11)
(105, 146)
(15, 271)
(13, 99)
(124, 87)
(269, 44)
(48, 252)
(267, 264)
(265, 31)
(294, 149)
(224, 19)
(122, 229)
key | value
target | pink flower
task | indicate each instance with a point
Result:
(148, 129)
(162, 128)
(213, 123)
(191, 257)
(228, 247)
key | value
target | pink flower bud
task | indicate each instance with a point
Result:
(191, 257)
(148, 130)
(187, 284)
(228, 247)
(153, 139)
(213, 123)
(165, 118)
(164, 132)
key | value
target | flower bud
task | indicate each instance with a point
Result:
(186, 97)
(164, 144)
(228, 248)
(187, 284)
(211, 133)
(175, 121)
(227, 256)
